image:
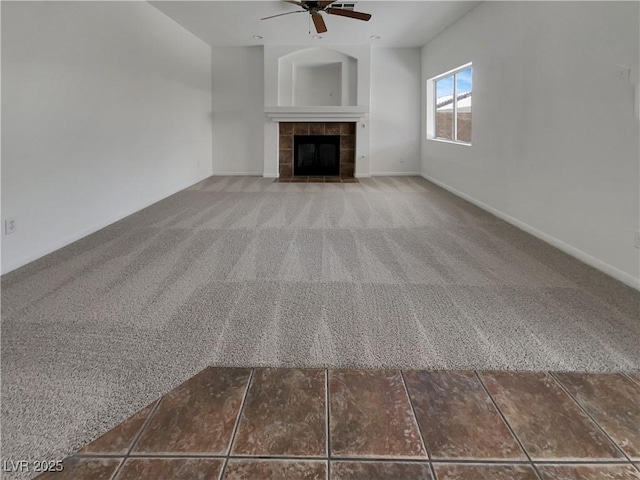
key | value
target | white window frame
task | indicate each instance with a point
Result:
(432, 104)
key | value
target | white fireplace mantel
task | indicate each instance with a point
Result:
(317, 114)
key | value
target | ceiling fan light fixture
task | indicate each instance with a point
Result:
(317, 7)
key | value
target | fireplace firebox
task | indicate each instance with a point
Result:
(316, 155)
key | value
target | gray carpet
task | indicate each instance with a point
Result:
(390, 272)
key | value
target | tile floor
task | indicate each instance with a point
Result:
(236, 423)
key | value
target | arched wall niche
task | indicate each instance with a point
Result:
(317, 77)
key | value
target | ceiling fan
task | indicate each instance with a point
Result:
(315, 8)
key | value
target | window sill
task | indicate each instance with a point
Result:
(444, 140)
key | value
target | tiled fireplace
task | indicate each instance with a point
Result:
(345, 131)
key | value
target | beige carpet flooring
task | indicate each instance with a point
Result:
(244, 271)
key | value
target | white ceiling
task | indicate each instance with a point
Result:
(233, 23)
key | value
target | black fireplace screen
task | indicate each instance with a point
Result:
(316, 155)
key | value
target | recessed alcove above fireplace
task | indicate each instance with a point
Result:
(317, 149)
(317, 77)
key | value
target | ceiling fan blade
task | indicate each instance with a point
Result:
(281, 14)
(318, 21)
(349, 13)
(325, 3)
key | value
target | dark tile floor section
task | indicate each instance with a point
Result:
(197, 417)
(588, 472)
(118, 441)
(156, 468)
(241, 469)
(484, 472)
(243, 424)
(458, 418)
(284, 415)
(345, 470)
(550, 425)
(371, 416)
(613, 402)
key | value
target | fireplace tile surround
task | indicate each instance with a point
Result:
(346, 130)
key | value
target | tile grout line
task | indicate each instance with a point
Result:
(153, 455)
(525, 462)
(116, 472)
(144, 426)
(137, 437)
(452, 460)
(237, 423)
(494, 461)
(415, 419)
(630, 378)
(504, 419)
(584, 410)
(224, 467)
(382, 459)
(327, 425)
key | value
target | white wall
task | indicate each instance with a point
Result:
(555, 138)
(238, 110)
(317, 85)
(106, 108)
(395, 111)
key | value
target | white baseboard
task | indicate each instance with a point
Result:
(396, 174)
(237, 174)
(604, 267)
(20, 262)
(269, 175)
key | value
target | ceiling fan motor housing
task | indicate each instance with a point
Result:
(314, 6)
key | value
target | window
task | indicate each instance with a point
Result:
(451, 107)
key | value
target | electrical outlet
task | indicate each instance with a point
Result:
(9, 226)
(637, 239)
